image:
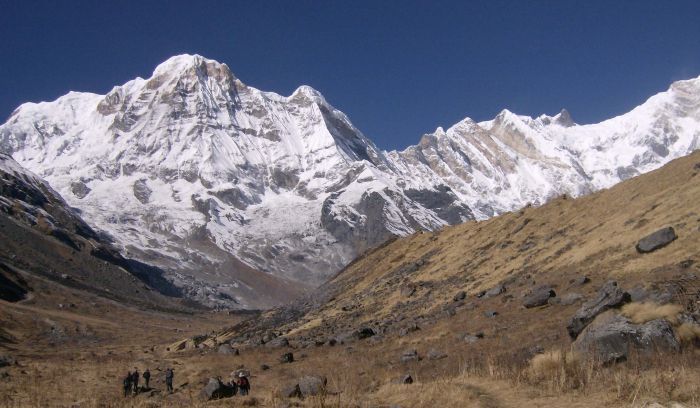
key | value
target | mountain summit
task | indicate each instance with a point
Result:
(224, 185)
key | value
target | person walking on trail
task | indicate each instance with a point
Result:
(169, 374)
(243, 384)
(127, 384)
(146, 377)
(135, 380)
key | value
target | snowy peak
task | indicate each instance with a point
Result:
(216, 181)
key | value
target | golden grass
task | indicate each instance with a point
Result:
(688, 333)
(642, 312)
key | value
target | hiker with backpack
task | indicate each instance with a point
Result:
(135, 380)
(146, 377)
(169, 374)
(127, 384)
(243, 384)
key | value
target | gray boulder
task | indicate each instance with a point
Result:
(215, 389)
(495, 291)
(277, 342)
(490, 313)
(566, 300)
(436, 355)
(611, 337)
(656, 240)
(609, 296)
(409, 356)
(227, 349)
(539, 297)
(461, 295)
(311, 385)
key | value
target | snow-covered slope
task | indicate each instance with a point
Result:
(191, 166)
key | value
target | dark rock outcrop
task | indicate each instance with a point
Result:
(656, 240)
(611, 337)
(287, 358)
(215, 389)
(609, 296)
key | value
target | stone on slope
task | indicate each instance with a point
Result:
(277, 342)
(539, 297)
(611, 337)
(609, 296)
(287, 358)
(311, 385)
(656, 240)
(215, 389)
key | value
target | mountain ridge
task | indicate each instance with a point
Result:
(208, 167)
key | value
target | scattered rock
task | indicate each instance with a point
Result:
(215, 389)
(6, 361)
(471, 339)
(436, 355)
(490, 313)
(264, 367)
(409, 355)
(566, 300)
(408, 329)
(581, 280)
(408, 290)
(277, 342)
(365, 332)
(539, 297)
(656, 240)
(461, 295)
(227, 349)
(609, 296)
(495, 291)
(287, 358)
(610, 337)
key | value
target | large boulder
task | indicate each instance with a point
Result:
(539, 297)
(611, 337)
(312, 385)
(215, 389)
(609, 296)
(656, 240)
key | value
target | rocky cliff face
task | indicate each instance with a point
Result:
(191, 169)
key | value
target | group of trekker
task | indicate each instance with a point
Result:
(131, 381)
(240, 383)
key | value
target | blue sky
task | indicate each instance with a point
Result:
(397, 68)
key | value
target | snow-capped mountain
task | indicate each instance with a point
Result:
(191, 168)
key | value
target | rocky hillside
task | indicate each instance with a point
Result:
(522, 281)
(224, 186)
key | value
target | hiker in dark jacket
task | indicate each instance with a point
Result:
(146, 377)
(135, 380)
(169, 374)
(127, 384)
(243, 384)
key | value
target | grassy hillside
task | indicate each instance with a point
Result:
(480, 351)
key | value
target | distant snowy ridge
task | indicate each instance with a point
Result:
(191, 166)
